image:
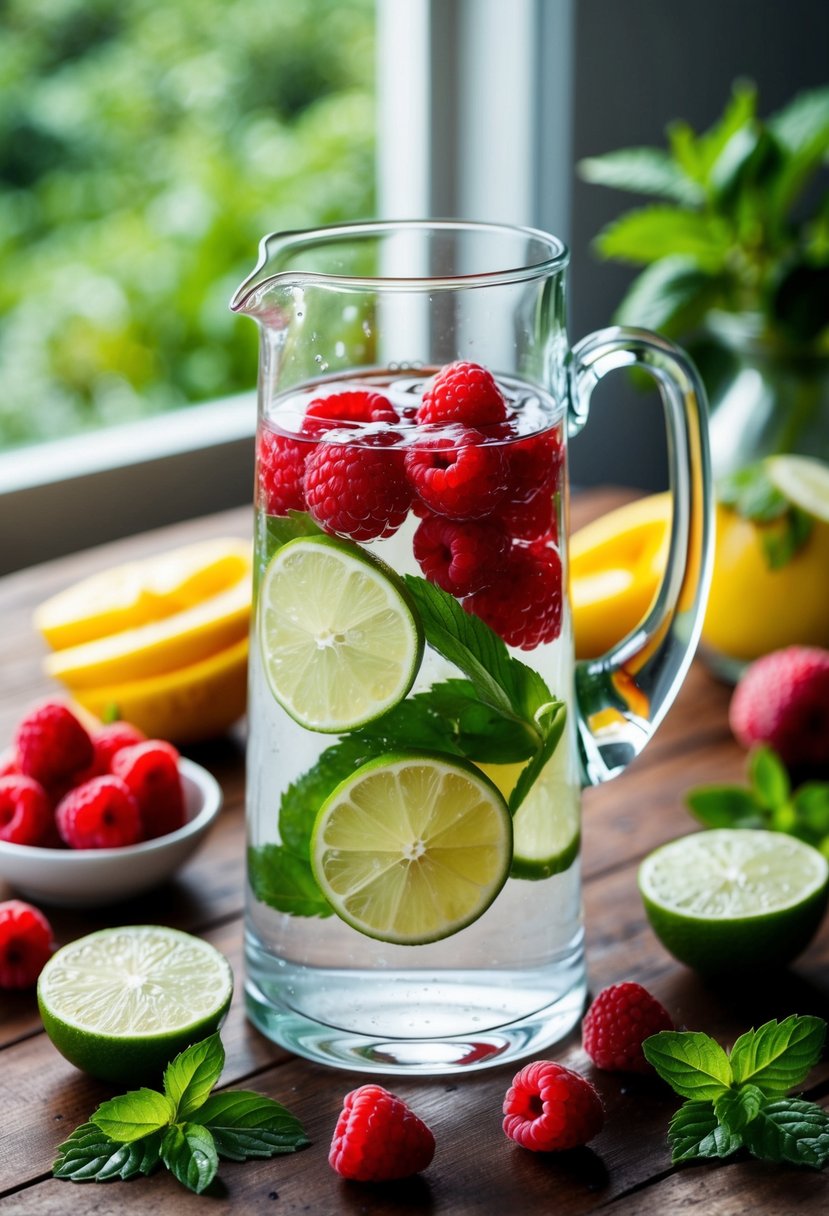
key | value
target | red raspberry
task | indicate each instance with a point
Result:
(533, 520)
(280, 464)
(549, 1108)
(100, 814)
(782, 699)
(52, 745)
(25, 944)
(459, 557)
(461, 478)
(357, 492)
(8, 763)
(25, 811)
(534, 464)
(112, 738)
(150, 772)
(463, 392)
(378, 1138)
(524, 605)
(617, 1024)
(353, 406)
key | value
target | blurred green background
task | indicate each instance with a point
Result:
(145, 147)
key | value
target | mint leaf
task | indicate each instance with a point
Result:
(189, 1078)
(692, 1063)
(90, 1156)
(245, 1124)
(476, 731)
(752, 494)
(279, 529)
(768, 777)
(696, 1133)
(133, 1115)
(647, 234)
(736, 1108)
(551, 721)
(725, 806)
(190, 1155)
(792, 1130)
(778, 1055)
(784, 540)
(303, 798)
(811, 809)
(285, 882)
(642, 170)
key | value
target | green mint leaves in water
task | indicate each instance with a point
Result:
(739, 1100)
(186, 1128)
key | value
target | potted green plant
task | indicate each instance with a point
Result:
(736, 266)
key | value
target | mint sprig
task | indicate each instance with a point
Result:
(185, 1128)
(783, 529)
(737, 1101)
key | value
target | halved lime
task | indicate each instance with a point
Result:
(339, 640)
(412, 847)
(804, 481)
(734, 899)
(120, 1003)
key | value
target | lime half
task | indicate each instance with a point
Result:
(412, 847)
(339, 641)
(734, 899)
(120, 1003)
(804, 481)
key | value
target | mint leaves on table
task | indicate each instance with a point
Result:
(782, 528)
(767, 802)
(187, 1128)
(738, 1101)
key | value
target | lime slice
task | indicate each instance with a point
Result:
(804, 481)
(412, 847)
(734, 899)
(120, 1003)
(339, 640)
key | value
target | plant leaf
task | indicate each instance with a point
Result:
(643, 171)
(650, 233)
(778, 1055)
(303, 798)
(246, 1124)
(133, 1115)
(696, 1133)
(736, 1108)
(807, 115)
(285, 882)
(189, 1078)
(811, 806)
(462, 722)
(692, 1063)
(90, 1156)
(190, 1155)
(551, 720)
(768, 777)
(671, 295)
(790, 1130)
(725, 806)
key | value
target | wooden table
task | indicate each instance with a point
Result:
(476, 1169)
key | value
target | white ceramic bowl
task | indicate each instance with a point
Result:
(87, 878)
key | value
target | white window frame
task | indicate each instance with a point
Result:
(448, 146)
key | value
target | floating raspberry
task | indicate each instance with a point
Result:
(617, 1024)
(524, 605)
(549, 1108)
(353, 406)
(378, 1138)
(100, 814)
(534, 464)
(459, 557)
(532, 520)
(51, 745)
(151, 773)
(25, 811)
(357, 492)
(25, 944)
(280, 464)
(463, 392)
(782, 699)
(461, 478)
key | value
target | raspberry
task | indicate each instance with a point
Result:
(112, 738)
(532, 520)
(782, 699)
(100, 814)
(355, 405)
(378, 1138)
(463, 392)
(459, 478)
(459, 557)
(280, 464)
(357, 492)
(617, 1024)
(534, 464)
(25, 944)
(25, 811)
(549, 1108)
(8, 764)
(150, 772)
(524, 605)
(52, 745)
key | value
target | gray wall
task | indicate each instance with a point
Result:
(638, 65)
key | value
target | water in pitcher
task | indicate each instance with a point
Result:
(512, 980)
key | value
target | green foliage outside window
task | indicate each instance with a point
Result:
(145, 147)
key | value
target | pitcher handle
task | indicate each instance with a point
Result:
(623, 695)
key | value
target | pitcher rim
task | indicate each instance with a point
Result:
(558, 259)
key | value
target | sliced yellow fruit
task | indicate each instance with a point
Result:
(136, 593)
(184, 706)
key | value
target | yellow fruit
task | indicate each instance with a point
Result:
(139, 592)
(184, 706)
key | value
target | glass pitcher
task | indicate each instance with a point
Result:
(419, 732)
